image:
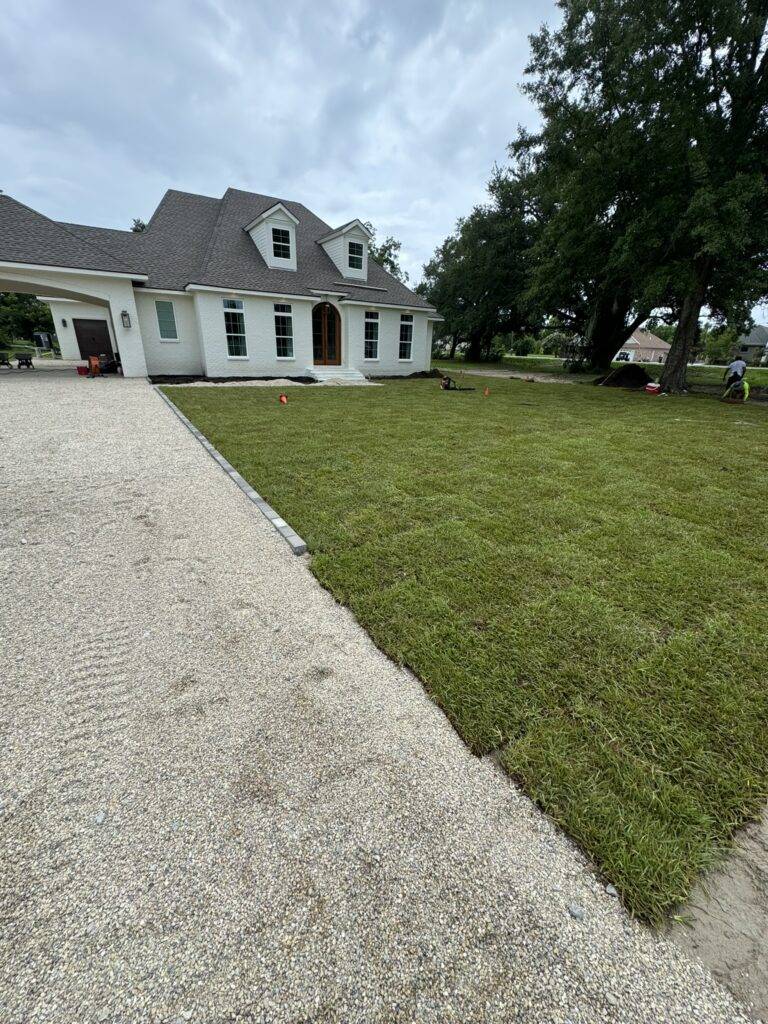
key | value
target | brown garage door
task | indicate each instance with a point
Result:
(92, 337)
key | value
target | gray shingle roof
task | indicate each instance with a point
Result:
(26, 236)
(757, 337)
(233, 261)
(194, 239)
(646, 339)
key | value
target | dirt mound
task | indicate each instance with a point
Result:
(629, 376)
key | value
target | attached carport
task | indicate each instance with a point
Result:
(43, 258)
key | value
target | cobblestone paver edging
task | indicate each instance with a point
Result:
(298, 546)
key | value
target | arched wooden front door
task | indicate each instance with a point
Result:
(326, 335)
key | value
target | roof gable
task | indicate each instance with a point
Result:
(278, 208)
(345, 229)
(757, 337)
(646, 339)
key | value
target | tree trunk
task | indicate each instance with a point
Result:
(454, 343)
(673, 377)
(479, 343)
(474, 349)
(606, 331)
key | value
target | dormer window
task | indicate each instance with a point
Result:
(356, 255)
(348, 248)
(274, 235)
(281, 243)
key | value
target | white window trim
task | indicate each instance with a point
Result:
(361, 257)
(284, 359)
(232, 298)
(287, 230)
(167, 341)
(400, 342)
(374, 319)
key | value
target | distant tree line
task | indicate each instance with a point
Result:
(643, 194)
(20, 316)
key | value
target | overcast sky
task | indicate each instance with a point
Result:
(393, 111)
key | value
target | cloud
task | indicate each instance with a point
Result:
(393, 113)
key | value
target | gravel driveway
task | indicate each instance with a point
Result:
(221, 803)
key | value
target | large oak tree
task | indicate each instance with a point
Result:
(644, 188)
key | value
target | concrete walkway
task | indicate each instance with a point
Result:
(222, 804)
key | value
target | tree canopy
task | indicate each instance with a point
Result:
(386, 253)
(643, 192)
(478, 276)
(21, 315)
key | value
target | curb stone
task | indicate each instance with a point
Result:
(297, 545)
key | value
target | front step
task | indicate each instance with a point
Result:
(340, 373)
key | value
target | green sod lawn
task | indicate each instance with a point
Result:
(697, 375)
(578, 576)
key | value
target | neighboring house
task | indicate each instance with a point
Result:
(643, 347)
(753, 347)
(242, 286)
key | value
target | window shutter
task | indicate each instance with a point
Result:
(166, 320)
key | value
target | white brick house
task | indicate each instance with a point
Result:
(242, 286)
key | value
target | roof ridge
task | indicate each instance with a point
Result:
(214, 232)
(72, 234)
(260, 195)
(94, 227)
(279, 199)
(157, 208)
(197, 195)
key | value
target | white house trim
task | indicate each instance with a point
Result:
(344, 229)
(431, 313)
(277, 208)
(162, 291)
(234, 292)
(368, 287)
(52, 268)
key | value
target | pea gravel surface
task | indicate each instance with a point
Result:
(221, 803)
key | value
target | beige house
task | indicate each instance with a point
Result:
(643, 347)
(753, 347)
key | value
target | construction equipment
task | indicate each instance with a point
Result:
(449, 384)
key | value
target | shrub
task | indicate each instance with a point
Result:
(524, 345)
(555, 343)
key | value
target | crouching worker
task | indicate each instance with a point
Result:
(734, 373)
(738, 391)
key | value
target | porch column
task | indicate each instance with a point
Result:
(128, 339)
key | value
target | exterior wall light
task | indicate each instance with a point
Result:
(125, 316)
(63, 322)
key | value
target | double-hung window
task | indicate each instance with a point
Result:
(283, 330)
(166, 320)
(371, 335)
(406, 336)
(355, 255)
(234, 326)
(281, 243)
